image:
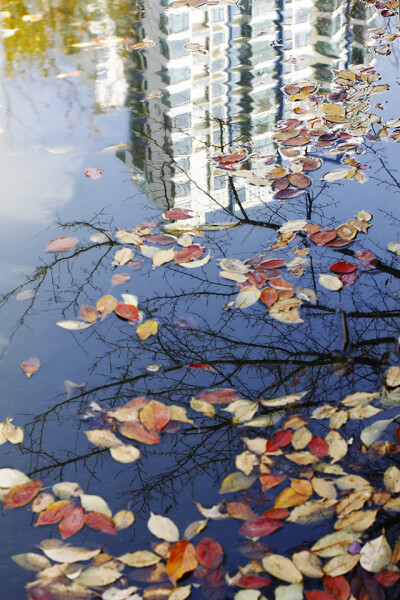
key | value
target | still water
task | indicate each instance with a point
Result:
(153, 97)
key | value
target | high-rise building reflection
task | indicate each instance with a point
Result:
(187, 104)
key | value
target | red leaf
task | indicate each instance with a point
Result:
(253, 581)
(318, 595)
(100, 522)
(366, 259)
(323, 236)
(203, 367)
(178, 213)
(182, 559)
(398, 432)
(338, 243)
(209, 553)
(387, 578)
(231, 158)
(343, 267)
(273, 263)
(220, 396)
(62, 243)
(163, 240)
(269, 481)
(260, 527)
(283, 437)
(154, 416)
(21, 495)
(318, 446)
(72, 523)
(281, 284)
(269, 296)
(188, 254)
(256, 278)
(338, 586)
(136, 402)
(348, 278)
(277, 513)
(93, 173)
(55, 512)
(271, 446)
(129, 312)
(136, 431)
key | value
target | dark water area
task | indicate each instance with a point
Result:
(160, 99)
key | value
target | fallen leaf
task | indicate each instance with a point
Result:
(102, 438)
(154, 416)
(23, 494)
(93, 173)
(182, 559)
(137, 432)
(282, 568)
(62, 243)
(30, 366)
(73, 325)
(209, 553)
(147, 329)
(11, 433)
(330, 282)
(375, 555)
(140, 559)
(123, 519)
(260, 527)
(31, 561)
(100, 522)
(308, 564)
(72, 522)
(340, 565)
(129, 312)
(91, 502)
(235, 482)
(125, 453)
(55, 512)
(163, 528)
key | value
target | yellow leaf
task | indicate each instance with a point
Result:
(308, 564)
(282, 568)
(206, 408)
(340, 565)
(334, 109)
(234, 482)
(147, 329)
(359, 520)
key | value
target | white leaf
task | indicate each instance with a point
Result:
(125, 453)
(96, 503)
(247, 297)
(330, 282)
(375, 555)
(31, 561)
(11, 477)
(370, 434)
(73, 325)
(94, 576)
(130, 299)
(163, 528)
(289, 592)
(122, 256)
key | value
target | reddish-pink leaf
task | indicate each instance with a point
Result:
(72, 523)
(93, 173)
(40, 593)
(30, 366)
(338, 586)
(257, 278)
(318, 595)
(220, 396)
(55, 512)
(299, 180)
(136, 431)
(100, 522)
(348, 278)
(155, 416)
(138, 402)
(231, 158)
(269, 296)
(271, 446)
(343, 267)
(339, 243)
(318, 446)
(273, 263)
(178, 213)
(366, 259)
(203, 367)
(283, 437)
(387, 578)
(297, 141)
(20, 495)
(323, 237)
(280, 284)
(129, 312)
(253, 581)
(280, 184)
(289, 193)
(269, 481)
(260, 527)
(119, 278)
(163, 240)
(62, 243)
(209, 553)
(188, 254)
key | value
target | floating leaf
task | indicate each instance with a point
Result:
(163, 528)
(182, 559)
(161, 257)
(330, 282)
(89, 313)
(392, 377)
(123, 519)
(73, 325)
(31, 561)
(62, 243)
(23, 494)
(189, 253)
(91, 502)
(122, 256)
(282, 568)
(73, 522)
(343, 267)
(102, 438)
(11, 433)
(129, 312)
(95, 576)
(137, 432)
(338, 586)
(140, 559)
(30, 366)
(209, 553)
(371, 433)
(375, 555)
(247, 297)
(147, 329)
(119, 278)
(155, 416)
(55, 512)
(391, 478)
(93, 173)
(128, 237)
(100, 522)
(125, 453)
(339, 565)
(260, 527)
(235, 482)
(63, 553)
(308, 564)
(10, 478)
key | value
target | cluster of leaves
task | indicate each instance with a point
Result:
(386, 9)
(141, 420)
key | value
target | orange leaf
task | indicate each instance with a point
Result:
(154, 416)
(210, 553)
(129, 312)
(338, 586)
(72, 523)
(20, 495)
(240, 510)
(269, 481)
(55, 512)
(268, 296)
(100, 522)
(277, 513)
(182, 559)
(289, 497)
(30, 366)
(136, 431)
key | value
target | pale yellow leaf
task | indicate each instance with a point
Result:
(128, 237)
(194, 528)
(125, 453)
(354, 501)
(106, 304)
(180, 593)
(102, 438)
(301, 438)
(284, 400)
(247, 297)
(91, 502)
(123, 519)
(13, 434)
(139, 559)
(41, 502)
(340, 565)
(337, 445)
(358, 520)
(161, 257)
(178, 413)
(282, 568)
(308, 564)
(359, 398)
(95, 576)
(302, 458)
(163, 528)
(246, 461)
(324, 488)
(203, 407)
(11, 477)
(31, 561)
(235, 482)
(63, 553)
(335, 544)
(122, 256)
(391, 478)
(364, 412)
(330, 282)
(376, 555)
(312, 511)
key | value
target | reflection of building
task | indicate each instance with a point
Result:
(188, 104)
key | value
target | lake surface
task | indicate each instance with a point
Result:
(113, 114)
